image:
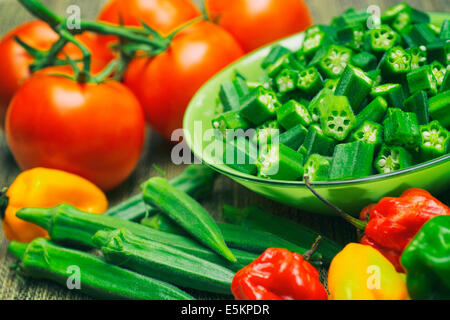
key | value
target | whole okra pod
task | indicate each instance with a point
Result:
(41, 259)
(156, 260)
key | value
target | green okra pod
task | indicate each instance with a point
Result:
(186, 212)
(68, 225)
(156, 260)
(41, 259)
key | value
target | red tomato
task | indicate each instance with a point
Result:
(15, 61)
(93, 130)
(166, 83)
(255, 23)
(162, 15)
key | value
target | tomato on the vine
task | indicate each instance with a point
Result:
(15, 61)
(166, 83)
(162, 15)
(256, 23)
(93, 130)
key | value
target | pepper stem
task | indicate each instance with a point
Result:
(4, 200)
(308, 254)
(359, 224)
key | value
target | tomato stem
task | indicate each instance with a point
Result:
(358, 224)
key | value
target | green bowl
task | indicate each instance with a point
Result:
(351, 195)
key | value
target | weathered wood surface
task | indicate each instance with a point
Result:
(157, 152)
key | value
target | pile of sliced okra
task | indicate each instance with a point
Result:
(352, 102)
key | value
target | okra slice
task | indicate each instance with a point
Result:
(309, 81)
(333, 63)
(401, 128)
(260, 106)
(396, 63)
(293, 113)
(241, 155)
(445, 30)
(439, 72)
(379, 40)
(265, 133)
(351, 36)
(338, 120)
(351, 17)
(317, 168)
(364, 60)
(319, 104)
(445, 83)
(422, 79)
(418, 104)
(370, 132)
(230, 120)
(439, 51)
(402, 21)
(435, 140)
(392, 92)
(392, 158)
(421, 34)
(355, 85)
(374, 111)
(229, 96)
(241, 87)
(440, 108)
(317, 142)
(418, 56)
(294, 137)
(314, 40)
(286, 80)
(274, 55)
(375, 75)
(352, 161)
(331, 84)
(391, 13)
(279, 162)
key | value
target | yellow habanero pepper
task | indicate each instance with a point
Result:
(46, 188)
(360, 272)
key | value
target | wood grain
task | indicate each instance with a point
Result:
(157, 152)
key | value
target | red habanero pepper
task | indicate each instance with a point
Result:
(278, 274)
(391, 224)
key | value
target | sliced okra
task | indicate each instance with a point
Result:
(351, 36)
(422, 79)
(275, 53)
(379, 40)
(445, 30)
(401, 128)
(279, 162)
(317, 142)
(331, 84)
(396, 63)
(418, 104)
(317, 168)
(287, 61)
(418, 56)
(435, 140)
(309, 81)
(352, 161)
(315, 39)
(392, 158)
(319, 104)
(338, 120)
(439, 51)
(440, 108)
(365, 61)
(421, 34)
(391, 13)
(265, 132)
(241, 87)
(355, 85)
(374, 112)
(370, 132)
(259, 106)
(230, 120)
(294, 137)
(293, 113)
(240, 154)
(351, 17)
(229, 96)
(445, 83)
(438, 71)
(333, 63)
(286, 80)
(392, 92)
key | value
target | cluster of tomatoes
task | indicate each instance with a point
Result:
(96, 130)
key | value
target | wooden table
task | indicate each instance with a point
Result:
(157, 152)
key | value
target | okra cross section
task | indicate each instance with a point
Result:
(380, 40)
(370, 132)
(396, 63)
(392, 158)
(418, 56)
(333, 63)
(260, 106)
(286, 80)
(279, 162)
(293, 113)
(338, 120)
(309, 82)
(422, 79)
(435, 140)
(317, 168)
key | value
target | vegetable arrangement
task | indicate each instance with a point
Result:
(354, 101)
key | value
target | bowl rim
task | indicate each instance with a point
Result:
(230, 172)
